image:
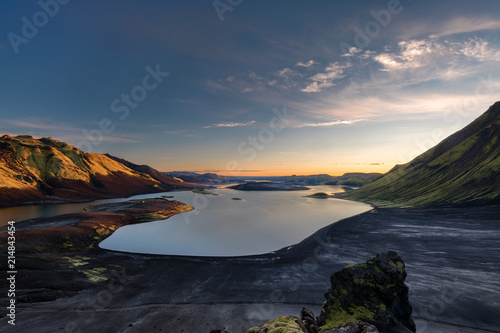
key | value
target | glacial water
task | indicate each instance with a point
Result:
(261, 222)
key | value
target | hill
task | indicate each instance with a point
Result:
(46, 170)
(205, 178)
(463, 169)
(160, 176)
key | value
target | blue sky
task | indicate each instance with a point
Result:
(256, 87)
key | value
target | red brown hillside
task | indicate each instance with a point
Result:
(47, 170)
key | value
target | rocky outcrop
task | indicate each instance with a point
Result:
(374, 292)
(368, 297)
(283, 324)
(307, 324)
(354, 327)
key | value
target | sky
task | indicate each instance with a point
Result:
(245, 87)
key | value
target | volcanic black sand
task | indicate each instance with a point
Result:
(451, 257)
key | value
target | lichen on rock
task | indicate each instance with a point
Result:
(373, 292)
(368, 297)
(283, 324)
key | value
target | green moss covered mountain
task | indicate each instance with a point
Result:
(462, 170)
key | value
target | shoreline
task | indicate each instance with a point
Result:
(298, 274)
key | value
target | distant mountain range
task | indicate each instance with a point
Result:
(205, 178)
(46, 170)
(350, 179)
(464, 169)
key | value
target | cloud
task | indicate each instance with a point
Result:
(307, 64)
(352, 52)
(467, 24)
(334, 71)
(37, 124)
(286, 73)
(329, 123)
(444, 60)
(230, 124)
(408, 54)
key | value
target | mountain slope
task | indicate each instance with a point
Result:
(161, 177)
(198, 178)
(47, 170)
(463, 169)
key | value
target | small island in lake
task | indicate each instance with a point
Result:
(319, 195)
(267, 186)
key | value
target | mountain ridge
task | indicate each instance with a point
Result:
(50, 171)
(463, 169)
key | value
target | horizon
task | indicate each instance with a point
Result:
(254, 90)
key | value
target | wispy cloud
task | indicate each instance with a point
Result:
(429, 59)
(467, 24)
(333, 72)
(230, 124)
(37, 124)
(305, 64)
(329, 123)
(286, 73)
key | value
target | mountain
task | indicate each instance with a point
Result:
(47, 170)
(352, 179)
(193, 177)
(155, 174)
(463, 169)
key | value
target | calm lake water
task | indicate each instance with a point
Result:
(260, 223)
(21, 213)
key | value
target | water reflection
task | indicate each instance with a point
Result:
(259, 223)
(21, 213)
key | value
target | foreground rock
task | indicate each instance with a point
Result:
(373, 291)
(365, 297)
(267, 186)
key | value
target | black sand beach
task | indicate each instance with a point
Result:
(451, 257)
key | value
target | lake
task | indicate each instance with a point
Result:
(261, 222)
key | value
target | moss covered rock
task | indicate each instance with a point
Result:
(373, 291)
(283, 324)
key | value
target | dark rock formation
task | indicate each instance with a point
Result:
(309, 320)
(368, 297)
(373, 292)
